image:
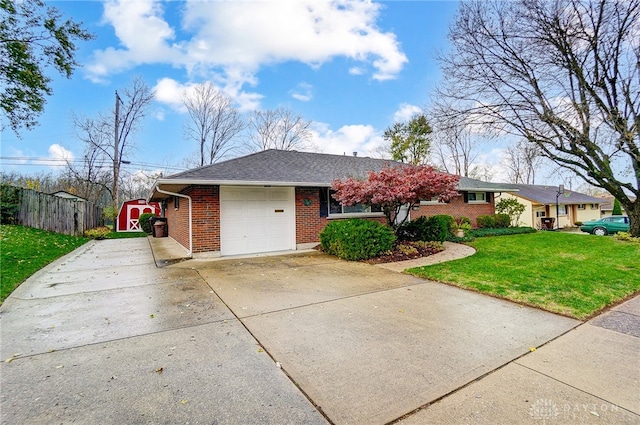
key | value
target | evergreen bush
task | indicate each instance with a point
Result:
(145, 224)
(434, 228)
(356, 238)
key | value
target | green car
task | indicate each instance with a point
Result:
(607, 225)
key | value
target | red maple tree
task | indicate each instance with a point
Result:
(393, 188)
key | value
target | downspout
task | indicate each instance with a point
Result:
(180, 195)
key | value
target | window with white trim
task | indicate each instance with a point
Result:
(336, 207)
(477, 197)
(595, 206)
(541, 214)
(432, 201)
(563, 209)
(582, 206)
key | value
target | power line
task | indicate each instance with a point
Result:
(38, 161)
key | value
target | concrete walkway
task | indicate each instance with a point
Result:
(103, 336)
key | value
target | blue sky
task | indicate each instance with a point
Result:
(352, 68)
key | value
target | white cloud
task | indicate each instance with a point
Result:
(58, 156)
(405, 112)
(303, 92)
(363, 139)
(233, 40)
(171, 93)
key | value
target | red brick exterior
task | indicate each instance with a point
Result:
(457, 208)
(205, 210)
(309, 223)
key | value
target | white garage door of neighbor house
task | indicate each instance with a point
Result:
(256, 219)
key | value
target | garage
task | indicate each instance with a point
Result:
(256, 219)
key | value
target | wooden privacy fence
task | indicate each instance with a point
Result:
(56, 214)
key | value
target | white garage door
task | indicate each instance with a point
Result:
(256, 219)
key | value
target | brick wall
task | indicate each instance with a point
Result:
(205, 210)
(309, 224)
(456, 208)
(206, 217)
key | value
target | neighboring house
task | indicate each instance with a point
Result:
(540, 202)
(130, 212)
(67, 195)
(606, 205)
(280, 200)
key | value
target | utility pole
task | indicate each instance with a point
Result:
(116, 154)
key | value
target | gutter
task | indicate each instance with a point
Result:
(180, 195)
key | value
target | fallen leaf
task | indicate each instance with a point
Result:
(159, 370)
(260, 350)
(183, 401)
(532, 349)
(152, 316)
(594, 413)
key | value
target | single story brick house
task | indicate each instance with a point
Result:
(280, 200)
(540, 202)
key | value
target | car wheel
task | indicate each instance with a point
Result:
(600, 231)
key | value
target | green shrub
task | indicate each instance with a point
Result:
(493, 221)
(626, 237)
(502, 220)
(478, 233)
(461, 223)
(9, 203)
(577, 223)
(434, 228)
(486, 221)
(356, 239)
(617, 208)
(97, 232)
(145, 225)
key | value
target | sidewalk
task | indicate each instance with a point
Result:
(589, 375)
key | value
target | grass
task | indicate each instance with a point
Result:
(573, 275)
(126, 235)
(24, 251)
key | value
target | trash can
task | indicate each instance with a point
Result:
(160, 228)
(548, 223)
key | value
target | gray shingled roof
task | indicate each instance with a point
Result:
(546, 195)
(291, 168)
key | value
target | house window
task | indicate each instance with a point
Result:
(582, 206)
(563, 210)
(336, 207)
(541, 214)
(595, 206)
(176, 203)
(476, 197)
(432, 201)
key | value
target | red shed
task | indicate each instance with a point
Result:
(130, 212)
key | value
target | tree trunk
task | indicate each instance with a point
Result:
(633, 211)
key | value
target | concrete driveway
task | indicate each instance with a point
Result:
(102, 336)
(369, 345)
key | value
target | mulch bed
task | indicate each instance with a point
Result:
(401, 253)
(398, 254)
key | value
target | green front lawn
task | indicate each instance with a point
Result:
(24, 251)
(574, 275)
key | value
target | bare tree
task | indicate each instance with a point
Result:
(278, 129)
(562, 74)
(522, 160)
(455, 149)
(213, 122)
(108, 138)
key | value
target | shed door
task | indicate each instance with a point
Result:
(256, 219)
